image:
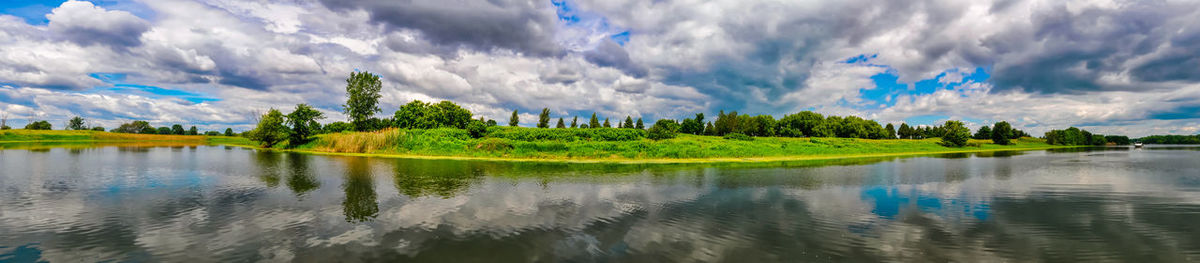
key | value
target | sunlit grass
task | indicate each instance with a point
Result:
(42, 136)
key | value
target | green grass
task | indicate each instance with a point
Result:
(47, 136)
(454, 143)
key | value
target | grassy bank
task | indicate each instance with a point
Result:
(503, 144)
(48, 136)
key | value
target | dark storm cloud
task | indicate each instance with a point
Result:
(609, 54)
(521, 25)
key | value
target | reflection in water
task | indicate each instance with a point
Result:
(417, 178)
(300, 176)
(222, 204)
(360, 203)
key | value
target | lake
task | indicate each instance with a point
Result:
(200, 203)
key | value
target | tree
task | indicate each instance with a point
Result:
(628, 122)
(1001, 133)
(229, 132)
(4, 121)
(891, 131)
(303, 122)
(904, 131)
(662, 129)
(984, 133)
(606, 124)
(135, 127)
(164, 130)
(956, 134)
(560, 124)
(38, 125)
(639, 125)
(477, 129)
(97, 128)
(178, 129)
(76, 123)
(193, 131)
(362, 98)
(512, 121)
(270, 129)
(573, 122)
(544, 118)
(595, 122)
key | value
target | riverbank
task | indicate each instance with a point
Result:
(457, 144)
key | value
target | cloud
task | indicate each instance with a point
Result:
(86, 24)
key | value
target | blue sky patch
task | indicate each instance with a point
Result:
(119, 85)
(34, 11)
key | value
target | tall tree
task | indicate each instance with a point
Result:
(639, 125)
(76, 123)
(628, 122)
(193, 131)
(890, 130)
(574, 123)
(362, 99)
(134, 127)
(178, 130)
(905, 131)
(606, 124)
(595, 122)
(303, 121)
(956, 134)
(1001, 133)
(270, 129)
(560, 124)
(544, 118)
(512, 121)
(164, 130)
(983, 133)
(229, 132)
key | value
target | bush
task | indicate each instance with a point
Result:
(493, 144)
(477, 129)
(738, 136)
(565, 135)
(663, 129)
(956, 134)
(38, 125)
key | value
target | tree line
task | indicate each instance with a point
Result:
(1077, 136)
(1171, 139)
(362, 105)
(78, 123)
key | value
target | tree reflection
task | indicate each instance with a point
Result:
(360, 204)
(417, 178)
(267, 163)
(300, 179)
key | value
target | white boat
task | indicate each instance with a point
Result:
(1137, 145)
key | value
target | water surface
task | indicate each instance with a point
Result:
(197, 203)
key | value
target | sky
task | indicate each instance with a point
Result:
(1112, 67)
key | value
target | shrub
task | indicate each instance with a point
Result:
(493, 144)
(738, 136)
(663, 129)
(565, 135)
(38, 125)
(956, 134)
(477, 129)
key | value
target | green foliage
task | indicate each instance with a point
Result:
(560, 124)
(1117, 139)
(303, 122)
(594, 122)
(421, 115)
(477, 129)
(890, 131)
(905, 131)
(1171, 139)
(164, 130)
(663, 129)
(270, 129)
(565, 135)
(738, 136)
(574, 122)
(639, 125)
(514, 120)
(362, 99)
(1070, 136)
(97, 128)
(693, 126)
(802, 124)
(1098, 139)
(193, 131)
(135, 127)
(178, 129)
(984, 133)
(38, 125)
(607, 124)
(229, 132)
(544, 118)
(76, 124)
(212, 133)
(1001, 133)
(956, 134)
(336, 127)
(708, 128)
(5, 127)
(629, 122)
